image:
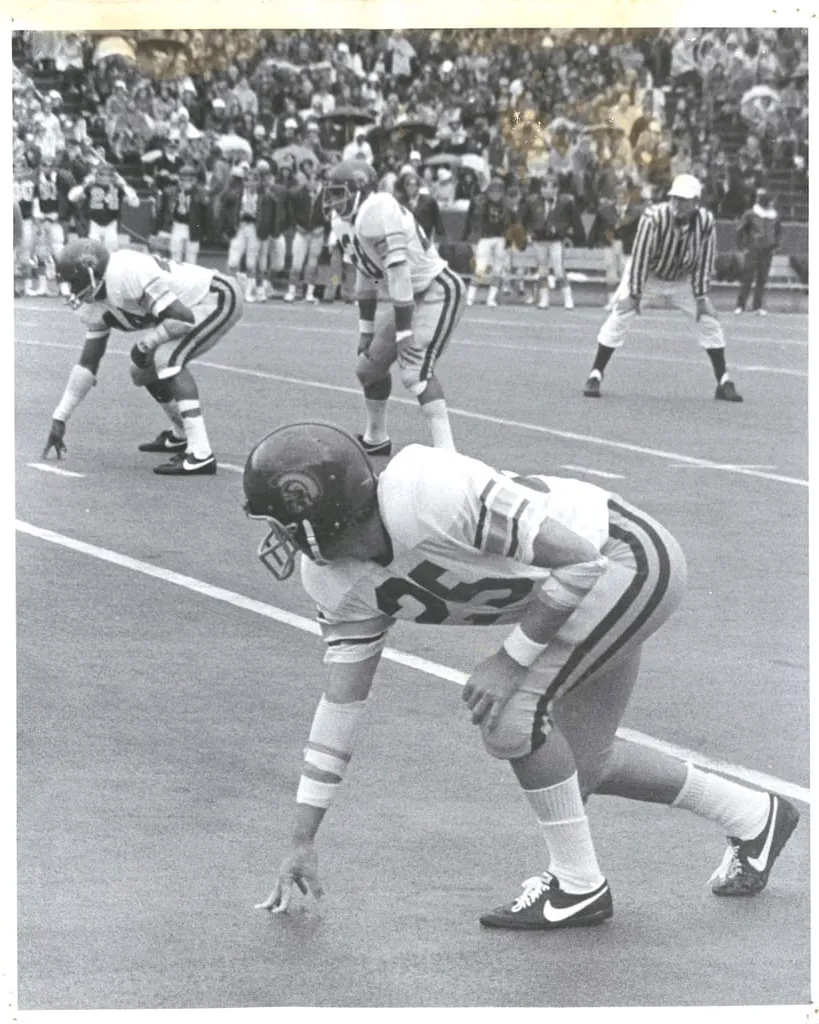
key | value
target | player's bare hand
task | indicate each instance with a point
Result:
(364, 343)
(55, 440)
(490, 687)
(635, 301)
(299, 868)
(705, 308)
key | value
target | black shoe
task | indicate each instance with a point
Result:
(187, 465)
(592, 388)
(379, 448)
(544, 906)
(726, 392)
(167, 441)
(746, 865)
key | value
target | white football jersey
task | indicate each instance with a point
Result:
(462, 536)
(383, 233)
(138, 286)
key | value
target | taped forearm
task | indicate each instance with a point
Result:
(328, 751)
(399, 284)
(557, 601)
(168, 330)
(80, 382)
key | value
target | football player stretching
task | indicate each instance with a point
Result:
(182, 310)
(584, 577)
(394, 260)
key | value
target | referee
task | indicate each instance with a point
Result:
(675, 244)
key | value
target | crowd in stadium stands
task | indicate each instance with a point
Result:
(601, 110)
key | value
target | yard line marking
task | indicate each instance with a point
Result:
(230, 467)
(681, 465)
(44, 467)
(584, 314)
(413, 661)
(569, 435)
(559, 350)
(595, 472)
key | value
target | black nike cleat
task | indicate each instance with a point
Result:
(375, 448)
(167, 441)
(187, 465)
(727, 392)
(746, 865)
(544, 906)
(592, 387)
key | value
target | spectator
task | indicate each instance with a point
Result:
(246, 98)
(359, 148)
(426, 210)
(759, 234)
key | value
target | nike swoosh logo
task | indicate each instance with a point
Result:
(187, 466)
(761, 862)
(554, 915)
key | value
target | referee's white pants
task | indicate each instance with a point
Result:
(676, 293)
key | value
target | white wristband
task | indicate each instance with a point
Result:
(366, 326)
(521, 649)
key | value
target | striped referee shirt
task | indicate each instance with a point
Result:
(670, 252)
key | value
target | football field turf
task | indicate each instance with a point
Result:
(162, 713)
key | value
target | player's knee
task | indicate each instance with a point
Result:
(412, 381)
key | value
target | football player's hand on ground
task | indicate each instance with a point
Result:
(299, 868)
(490, 687)
(55, 440)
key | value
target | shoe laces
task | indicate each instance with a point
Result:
(730, 866)
(533, 889)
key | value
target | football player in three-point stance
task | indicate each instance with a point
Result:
(395, 261)
(182, 310)
(584, 577)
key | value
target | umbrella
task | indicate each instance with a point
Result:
(476, 163)
(113, 46)
(415, 125)
(298, 154)
(758, 104)
(759, 92)
(443, 160)
(348, 115)
(234, 145)
(282, 65)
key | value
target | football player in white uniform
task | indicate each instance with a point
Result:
(585, 578)
(182, 310)
(395, 261)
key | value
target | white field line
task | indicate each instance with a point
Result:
(420, 664)
(594, 472)
(654, 323)
(604, 442)
(45, 467)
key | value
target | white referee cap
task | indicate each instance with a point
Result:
(685, 186)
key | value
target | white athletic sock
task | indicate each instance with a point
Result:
(437, 418)
(171, 410)
(562, 818)
(740, 811)
(376, 430)
(198, 443)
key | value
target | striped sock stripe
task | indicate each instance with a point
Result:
(608, 625)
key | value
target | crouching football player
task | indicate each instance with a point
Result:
(183, 310)
(584, 577)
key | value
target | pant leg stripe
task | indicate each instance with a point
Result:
(609, 623)
(440, 329)
(201, 332)
(446, 322)
(225, 290)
